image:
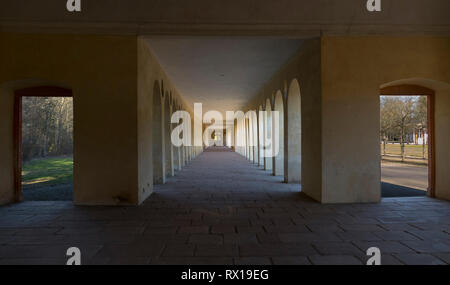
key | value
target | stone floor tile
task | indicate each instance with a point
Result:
(179, 250)
(384, 246)
(334, 260)
(192, 261)
(443, 256)
(194, 230)
(287, 229)
(33, 261)
(206, 239)
(358, 236)
(131, 250)
(434, 235)
(240, 239)
(389, 259)
(308, 237)
(324, 228)
(361, 227)
(395, 236)
(250, 229)
(217, 250)
(223, 229)
(276, 250)
(428, 246)
(151, 230)
(419, 259)
(252, 260)
(291, 260)
(268, 238)
(337, 248)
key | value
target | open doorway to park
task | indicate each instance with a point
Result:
(44, 144)
(406, 142)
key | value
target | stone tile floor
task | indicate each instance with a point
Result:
(221, 209)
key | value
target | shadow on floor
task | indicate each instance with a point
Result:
(392, 190)
(62, 192)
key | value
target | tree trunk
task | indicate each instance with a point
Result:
(46, 134)
(402, 146)
(44, 148)
(423, 144)
(60, 122)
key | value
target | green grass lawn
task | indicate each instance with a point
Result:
(410, 150)
(47, 172)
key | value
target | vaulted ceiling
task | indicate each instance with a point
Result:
(221, 73)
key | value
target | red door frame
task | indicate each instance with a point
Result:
(40, 91)
(416, 90)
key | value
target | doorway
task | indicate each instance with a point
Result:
(43, 134)
(406, 141)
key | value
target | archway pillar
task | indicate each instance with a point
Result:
(179, 162)
(170, 145)
(183, 155)
(278, 136)
(268, 135)
(163, 144)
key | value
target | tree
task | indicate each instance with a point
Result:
(397, 116)
(47, 127)
(421, 118)
(385, 125)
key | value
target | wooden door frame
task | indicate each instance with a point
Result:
(40, 91)
(417, 90)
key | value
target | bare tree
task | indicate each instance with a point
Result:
(398, 117)
(385, 124)
(421, 116)
(47, 126)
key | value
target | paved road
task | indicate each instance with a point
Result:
(412, 176)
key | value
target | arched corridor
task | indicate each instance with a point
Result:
(294, 97)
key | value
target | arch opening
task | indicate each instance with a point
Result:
(407, 138)
(293, 142)
(167, 140)
(260, 137)
(278, 169)
(43, 144)
(255, 138)
(158, 137)
(268, 137)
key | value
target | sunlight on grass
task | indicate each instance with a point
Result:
(48, 171)
(39, 180)
(410, 150)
